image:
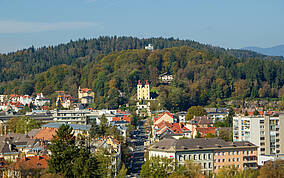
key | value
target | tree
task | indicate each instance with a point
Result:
(256, 113)
(273, 169)
(234, 172)
(63, 151)
(69, 159)
(189, 169)
(122, 172)
(195, 111)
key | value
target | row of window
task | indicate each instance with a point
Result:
(233, 152)
(224, 160)
(195, 157)
(219, 167)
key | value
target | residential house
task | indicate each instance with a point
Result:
(26, 100)
(166, 78)
(40, 100)
(86, 95)
(113, 147)
(27, 166)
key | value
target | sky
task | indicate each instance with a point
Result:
(224, 23)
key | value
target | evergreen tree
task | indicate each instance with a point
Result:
(63, 151)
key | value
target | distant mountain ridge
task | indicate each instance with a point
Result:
(272, 51)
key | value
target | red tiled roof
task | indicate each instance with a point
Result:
(174, 127)
(85, 89)
(46, 134)
(205, 131)
(161, 115)
(127, 118)
(33, 162)
(116, 119)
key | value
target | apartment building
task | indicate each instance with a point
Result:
(267, 132)
(71, 116)
(211, 153)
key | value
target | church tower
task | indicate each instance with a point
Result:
(143, 93)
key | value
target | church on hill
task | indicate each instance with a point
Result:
(143, 92)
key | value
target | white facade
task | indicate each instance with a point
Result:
(263, 131)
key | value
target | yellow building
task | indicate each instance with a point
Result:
(143, 92)
(86, 95)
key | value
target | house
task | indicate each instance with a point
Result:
(165, 116)
(113, 147)
(205, 131)
(165, 129)
(13, 144)
(26, 100)
(4, 98)
(149, 47)
(166, 78)
(27, 166)
(86, 95)
(65, 100)
(40, 100)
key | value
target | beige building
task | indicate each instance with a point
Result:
(86, 95)
(143, 92)
(211, 153)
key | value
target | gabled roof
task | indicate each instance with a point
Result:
(205, 131)
(161, 115)
(46, 133)
(33, 162)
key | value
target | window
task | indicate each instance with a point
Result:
(251, 151)
(233, 152)
(261, 121)
(194, 157)
(204, 156)
(229, 160)
(229, 152)
(209, 156)
(223, 160)
(233, 159)
(209, 165)
(199, 156)
(262, 138)
(223, 153)
(189, 157)
(262, 149)
(204, 165)
(238, 166)
(238, 152)
(238, 159)
(219, 160)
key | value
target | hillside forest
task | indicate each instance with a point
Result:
(112, 66)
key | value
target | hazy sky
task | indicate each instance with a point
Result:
(226, 23)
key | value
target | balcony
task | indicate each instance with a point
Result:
(250, 159)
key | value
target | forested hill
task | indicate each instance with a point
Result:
(25, 63)
(200, 77)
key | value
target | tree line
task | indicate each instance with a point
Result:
(201, 77)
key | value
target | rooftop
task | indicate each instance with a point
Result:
(170, 144)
